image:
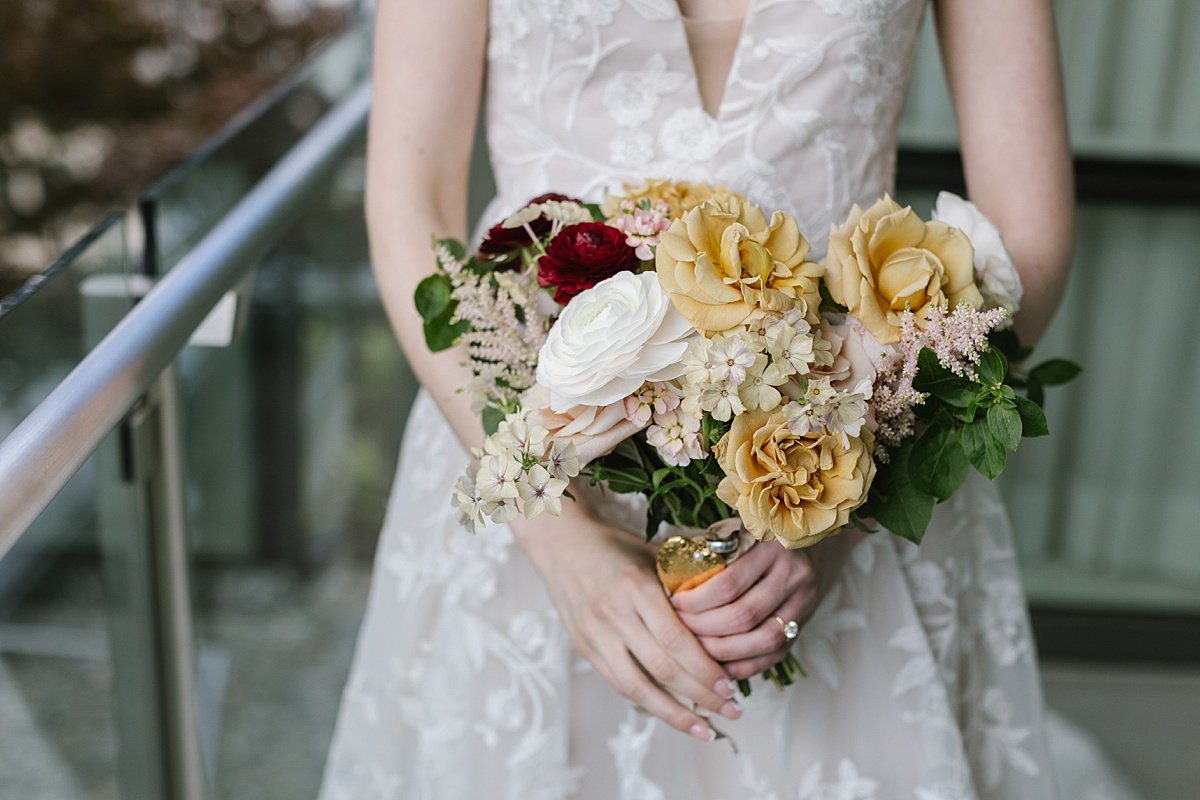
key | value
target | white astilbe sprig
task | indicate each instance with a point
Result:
(505, 332)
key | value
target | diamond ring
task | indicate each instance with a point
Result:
(791, 628)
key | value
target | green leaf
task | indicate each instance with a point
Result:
(595, 210)
(1033, 419)
(937, 465)
(659, 474)
(1005, 424)
(1036, 392)
(456, 248)
(897, 504)
(992, 367)
(982, 449)
(940, 382)
(1055, 372)
(492, 417)
(1006, 342)
(440, 334)
(432, 296)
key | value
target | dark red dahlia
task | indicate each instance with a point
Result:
(501, 243)
(581, 256)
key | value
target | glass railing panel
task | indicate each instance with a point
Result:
(50, 322)
(291, 434)
(194, 196)
(72, 705)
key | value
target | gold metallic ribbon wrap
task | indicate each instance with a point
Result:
(688, 556)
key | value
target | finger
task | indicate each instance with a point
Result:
(729, 584)
(763, 640)
(669, 674)
(635, 686)
(748, 611)
(708, 684)
(748, 668)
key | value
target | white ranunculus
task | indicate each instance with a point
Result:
(997, 277)
(610, 340)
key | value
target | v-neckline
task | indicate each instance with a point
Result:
(681, 29)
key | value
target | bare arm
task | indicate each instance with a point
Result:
(428, 73)
(1001, 60)
(429, 62)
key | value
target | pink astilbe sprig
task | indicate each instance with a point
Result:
(958, 339)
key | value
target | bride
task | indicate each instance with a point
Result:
(513, 664)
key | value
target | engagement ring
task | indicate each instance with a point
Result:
(791, 628)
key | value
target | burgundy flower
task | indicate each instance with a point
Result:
(581, 256)
(501, 243)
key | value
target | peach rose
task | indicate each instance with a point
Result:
(679, 196)
(796, 489)
(594, 430)
(886, 259)
(724, 260)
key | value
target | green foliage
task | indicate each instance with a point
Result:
(442, 334)
(595, 210)
(1033, 419)
(1055, 372)
(938, 465)
(492, 417)
(985, 452)
(992, 367)
(895, 502)
(432, 296)
(940, 382)
(1004, 423)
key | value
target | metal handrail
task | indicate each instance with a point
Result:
(42, 454)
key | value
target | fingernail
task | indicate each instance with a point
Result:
(703, 732)
(725, 688)
(731, 710)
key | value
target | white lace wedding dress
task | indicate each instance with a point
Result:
(923, 682)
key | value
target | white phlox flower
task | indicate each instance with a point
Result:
(792, 350)
(467, 501)
(698, 364)
(501, 511)
(721, 400)
(561, 461)
(847, 412)
(775, 325)
(497, 480)
(540, 491)
(758, 390)
(516, 433)
(805, 419)
(732, 355)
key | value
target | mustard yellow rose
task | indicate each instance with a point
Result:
(722, 261)
(795, 489)
(886, 259)
(680, 196)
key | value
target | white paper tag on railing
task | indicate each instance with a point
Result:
(217, 328)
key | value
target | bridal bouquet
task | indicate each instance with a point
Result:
(678, 343)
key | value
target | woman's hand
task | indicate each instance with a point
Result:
(603, 583)
(734, 614)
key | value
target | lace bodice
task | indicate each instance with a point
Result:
(586, 93)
